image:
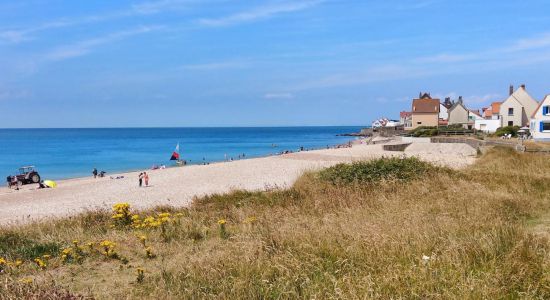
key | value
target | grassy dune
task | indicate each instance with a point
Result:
(384, 229)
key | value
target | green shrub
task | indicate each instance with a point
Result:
(507, 130)
(400, 169)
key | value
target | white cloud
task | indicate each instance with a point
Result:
(417, 4)
(262, 12)
(447, 58)
(15, 36)
(540, 41)
(279, 96)
(86, 46)
(482, 99)
(215, 66)
(153, 7)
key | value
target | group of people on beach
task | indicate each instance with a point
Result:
(143, 178)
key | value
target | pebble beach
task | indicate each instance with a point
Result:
(179, 185)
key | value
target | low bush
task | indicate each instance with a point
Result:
(399, 169)
(513, 130)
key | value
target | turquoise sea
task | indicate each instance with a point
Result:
(69, 153)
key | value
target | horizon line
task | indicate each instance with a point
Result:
(176, 127)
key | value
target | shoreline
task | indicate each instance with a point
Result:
(133, 170)
(178, 186)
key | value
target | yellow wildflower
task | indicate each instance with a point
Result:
(40, 263)
(221, 221)
(18, 262)
(46, 256)
(26, 280)
(107, 244)
(3, 262)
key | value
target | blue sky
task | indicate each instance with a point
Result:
(260, 63)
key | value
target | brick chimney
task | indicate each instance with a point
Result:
(511, 89)
(523, 86)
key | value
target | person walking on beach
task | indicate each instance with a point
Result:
(146, 178)
(15, 182)
(94, 172)
(140, 179)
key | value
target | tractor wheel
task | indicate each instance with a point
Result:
(35, 178)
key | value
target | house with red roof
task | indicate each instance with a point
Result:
(425, 111)
(405, 119)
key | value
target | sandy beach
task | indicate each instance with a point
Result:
(178, 186)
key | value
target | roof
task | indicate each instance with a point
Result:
(457, 104)
(405, 114)
(488, 111)
(521, 96)
(495, 107)
(476, 112)
(425, 105)
(540, 104)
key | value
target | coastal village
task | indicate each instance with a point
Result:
(518, 115)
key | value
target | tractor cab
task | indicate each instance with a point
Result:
(26, 170)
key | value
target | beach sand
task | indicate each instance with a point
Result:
(177, 186)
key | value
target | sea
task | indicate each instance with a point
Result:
(71, 153)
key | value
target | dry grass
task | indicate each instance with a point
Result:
(535, 145)
(448, 234)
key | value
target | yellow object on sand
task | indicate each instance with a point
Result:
(50, 183)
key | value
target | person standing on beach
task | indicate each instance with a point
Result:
(94, 172)
(140, 179)
(146, 178)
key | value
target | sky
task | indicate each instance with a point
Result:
(170, 63)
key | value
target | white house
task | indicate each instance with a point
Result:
(474, 115)
(486, 125)
(540, 121)
(443, 113)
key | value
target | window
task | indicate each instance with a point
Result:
(511, 111)
(510, 123)
(544, 126)
(418, 123)
(546, 110)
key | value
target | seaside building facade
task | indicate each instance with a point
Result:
(518, 108)
(425, 111)
(405, 118)
(540, 121)
(490, 121)
(492, 112)
(459, 114)
(444, 109)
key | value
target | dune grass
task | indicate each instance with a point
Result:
(355, 231)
